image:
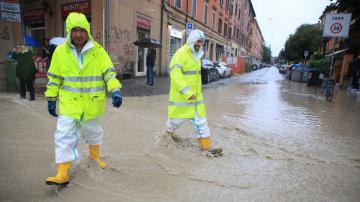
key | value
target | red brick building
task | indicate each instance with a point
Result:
(229, 25)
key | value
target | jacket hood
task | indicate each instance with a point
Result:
(195, 35)
(77, 20)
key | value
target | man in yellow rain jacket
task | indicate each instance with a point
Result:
(80, 71)
(185, 98)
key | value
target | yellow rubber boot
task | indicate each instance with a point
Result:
(95, 155)
(205, 143)
(62, 176)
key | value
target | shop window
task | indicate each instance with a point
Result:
(220, 26)
(178, 4)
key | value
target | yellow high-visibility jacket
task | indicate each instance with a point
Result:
(81, 91)
(185, 81)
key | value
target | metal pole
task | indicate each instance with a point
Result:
(332, 58)
(106, 26)
(186, 19)
(161, 34)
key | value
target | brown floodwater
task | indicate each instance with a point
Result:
(281, 142)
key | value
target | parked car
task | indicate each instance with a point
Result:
(223, 69)
(255, 66)
(208, 71)
(283, 69)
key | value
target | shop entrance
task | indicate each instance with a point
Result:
(140, 69)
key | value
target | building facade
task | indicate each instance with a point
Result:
(114, 24)
(227, 24)
(212, 17)
(257, 41)
(345, 51)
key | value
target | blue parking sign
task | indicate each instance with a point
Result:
(189, 26)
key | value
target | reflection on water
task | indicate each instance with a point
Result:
(290, 112)
(277, 119)
(280, 142)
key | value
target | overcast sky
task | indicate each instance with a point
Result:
(280, 18)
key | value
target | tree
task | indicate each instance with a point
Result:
(318, 61)
(343, 6)
(266, 55)
(307, 37)
(281, 57)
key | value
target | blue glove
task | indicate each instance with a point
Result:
(116, 99)
(52, 107)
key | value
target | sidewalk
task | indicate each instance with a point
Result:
(137, 86)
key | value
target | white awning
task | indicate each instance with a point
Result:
(337, 52)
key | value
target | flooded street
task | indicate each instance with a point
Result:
(280, 142)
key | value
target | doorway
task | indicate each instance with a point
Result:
(140, 69)
(39, 35)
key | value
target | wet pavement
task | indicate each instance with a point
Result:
(138, 87)
(281, 142)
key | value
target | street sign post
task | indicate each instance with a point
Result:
(306, 53)
(336, 25)
(189, 26)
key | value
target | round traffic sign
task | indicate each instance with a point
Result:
(336, 28)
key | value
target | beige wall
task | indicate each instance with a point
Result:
(10, 36)
(123, 30)
(347, 59)
(256, 41)
(97, 20)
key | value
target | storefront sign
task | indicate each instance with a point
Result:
(80, 7)
(35, 14)
(34, 17)
(11, 1)
(10, 17)
(10, 7)
(143, 23)
(175, 33)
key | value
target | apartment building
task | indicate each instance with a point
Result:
(214, 18)
(114, 24)
(227, 25)
(257, 41)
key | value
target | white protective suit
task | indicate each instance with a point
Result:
(68, 129)
(200, 123)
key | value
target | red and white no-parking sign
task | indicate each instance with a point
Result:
(337, 25)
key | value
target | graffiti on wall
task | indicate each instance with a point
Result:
(117, 35)
(121, 48)
(4, 34)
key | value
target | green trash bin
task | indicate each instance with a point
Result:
(10, 76)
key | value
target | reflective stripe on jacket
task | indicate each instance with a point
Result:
(81, 90)
(185, 81)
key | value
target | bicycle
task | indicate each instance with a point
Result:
(326, 88)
